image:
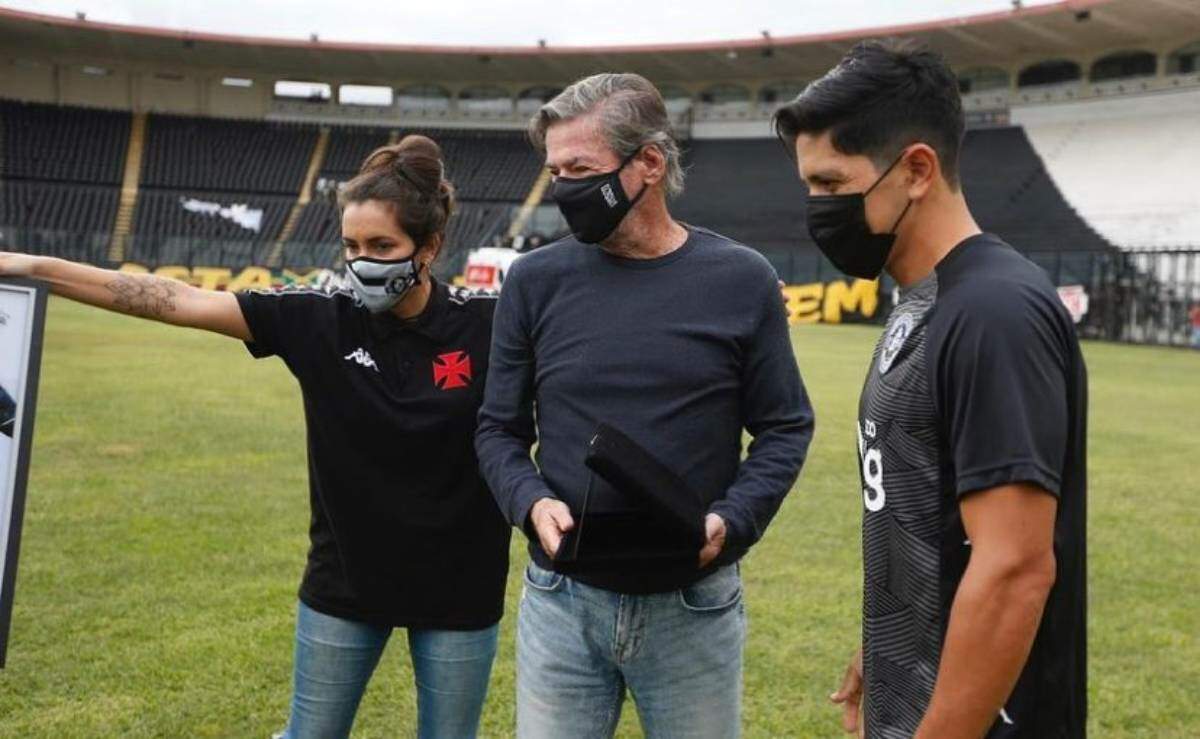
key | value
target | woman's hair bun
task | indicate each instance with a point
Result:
(411, 176)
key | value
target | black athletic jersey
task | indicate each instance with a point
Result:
(976, 382)
(404, 531)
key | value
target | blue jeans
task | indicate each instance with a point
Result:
(678, 653)
(335, 658)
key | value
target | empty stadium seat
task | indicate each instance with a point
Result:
(1012, 195)
(153, 252)
(161, 213)
(320, 223)
(488, 165)
(348, 147)
(482, 164)
(58, 206)
(474, 224)
(226, 155)
(62, 144)
(748, 189)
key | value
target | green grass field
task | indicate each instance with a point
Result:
(165, 536)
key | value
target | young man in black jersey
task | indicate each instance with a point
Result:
(971, 427)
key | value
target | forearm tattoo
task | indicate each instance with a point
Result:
(143, 295)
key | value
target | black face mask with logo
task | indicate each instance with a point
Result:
(594, 206)
(838, 223)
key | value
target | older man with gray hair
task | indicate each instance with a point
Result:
(676, 336)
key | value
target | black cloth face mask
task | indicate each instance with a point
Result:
(594, 206)
(838, 223)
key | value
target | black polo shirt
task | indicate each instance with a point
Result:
(404, 531)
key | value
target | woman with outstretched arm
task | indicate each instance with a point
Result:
(404, 531)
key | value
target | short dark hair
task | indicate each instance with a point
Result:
(881, 97)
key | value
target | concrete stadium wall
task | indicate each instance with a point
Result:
(110, 90)
(1149, 104)
(30, 81)
(102, 85)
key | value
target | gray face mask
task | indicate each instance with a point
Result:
(381, 284)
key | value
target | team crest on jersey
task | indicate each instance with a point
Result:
(894, 341)
(452, 370)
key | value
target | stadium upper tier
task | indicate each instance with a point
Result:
(506, 173)
(62, 144)
(58, 205)
(213, 154)
(472, 225)
(216, 189)
(1128, 166)
(1028, 55)
(223, 183)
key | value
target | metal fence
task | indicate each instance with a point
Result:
(1149, 296)
(1146, 296)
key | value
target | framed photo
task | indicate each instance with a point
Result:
(22, 319)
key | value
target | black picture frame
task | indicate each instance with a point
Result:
(22, 440)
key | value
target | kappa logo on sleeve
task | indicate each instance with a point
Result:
(452, 370)
(363, 357)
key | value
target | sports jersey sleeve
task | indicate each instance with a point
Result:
(999, 362)
(278, 321)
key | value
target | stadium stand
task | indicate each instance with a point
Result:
(472, 224)
(483, 164)
(60, 170)
(318, 224)
(748, 190)
(745, 188)
(317, 235)
(57, 205)
(1011, 194)
(488, 165)
(1093, 156)
(492, 171)
(61, 144)
(226, 155)
(187, 213)
(348, 147)
(1075, 148)
(190, 251)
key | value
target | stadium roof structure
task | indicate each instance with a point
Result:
(996, 38)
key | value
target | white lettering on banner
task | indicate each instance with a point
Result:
(240, 213)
